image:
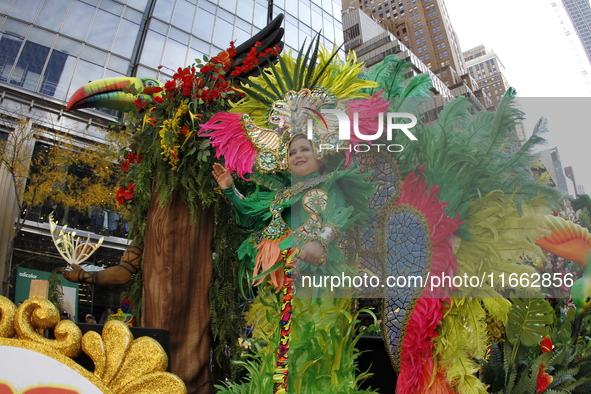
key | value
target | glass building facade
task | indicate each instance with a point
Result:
(579, 12)
(55, 46)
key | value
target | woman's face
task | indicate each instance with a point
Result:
(301, 158)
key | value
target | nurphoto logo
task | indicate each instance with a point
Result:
(345, 131)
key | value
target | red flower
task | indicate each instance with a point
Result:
(140, 103)
(546, 344)
(124, 195)
(544, 379)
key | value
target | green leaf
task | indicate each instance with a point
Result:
(529, 320)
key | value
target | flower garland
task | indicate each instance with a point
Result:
(165, 154)
(282, 366)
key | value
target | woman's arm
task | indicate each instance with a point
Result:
(314, 252)
(226, 184)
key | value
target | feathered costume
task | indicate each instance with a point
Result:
(458, 201)
(308, 342)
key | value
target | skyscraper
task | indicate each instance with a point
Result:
(579, 12)
(425, 28)
(488, 71)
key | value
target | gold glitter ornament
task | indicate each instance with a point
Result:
(37, 314)
(123, 365)
(7, 312)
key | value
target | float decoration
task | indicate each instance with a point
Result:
(70, 247)
(122, 364)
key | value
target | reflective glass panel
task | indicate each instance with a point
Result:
(229, 5)
(148, 73)
(40, 36)
(68, 46)
(29, 66)
(163, 9)
(152, 51)
(200, 46)
(9, 47)
(15, 28)
(225, 15)
(5, 6)
(103, 29)
(245, 9)
(260, 16)
(112, 7)
(178, 35)
(125, 38)
(207, 6)
(94, 55)
(138, 4)
(316, 21)
(78, 20)
(183, 15)
(305, 14)
(222, 34)
(194, 55)
(291, 39)
(25, 9)
(243, 25)
(52, 14)
(111, 73)
(118, 64)
(53, 73)
(133, 15)
(203, 27)
(292, 7)
(240, 36)
(328, 31)
(174, 55)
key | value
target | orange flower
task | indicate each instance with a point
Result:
(544, 379)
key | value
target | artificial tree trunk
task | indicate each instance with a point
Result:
(177, 272)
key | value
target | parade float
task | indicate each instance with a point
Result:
(459, 201)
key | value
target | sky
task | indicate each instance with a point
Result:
(544, 65)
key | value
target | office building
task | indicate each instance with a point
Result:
(425, 28)
(551, 160)
(488, 71)
(579, 12)
(372, 43)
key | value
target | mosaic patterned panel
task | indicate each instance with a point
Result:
(393, 320)
(408, 252)
(386, 178)
(385, 174)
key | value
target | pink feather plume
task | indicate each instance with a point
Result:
(229, 139)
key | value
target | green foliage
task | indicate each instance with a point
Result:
(516, 368)
(322, 353)
(227, 320)
(55, 293)
(135, 292)
(529, 320)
